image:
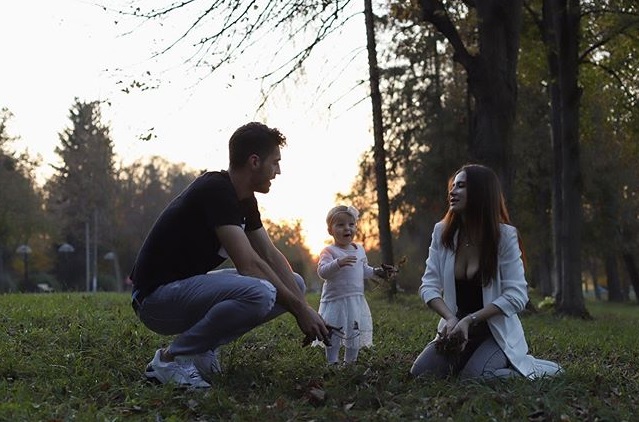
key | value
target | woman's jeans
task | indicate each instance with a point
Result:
(487, 361)
(209, 310)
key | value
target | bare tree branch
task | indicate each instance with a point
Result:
(620, 80)
(536, 17)
(239, 26)
(609, 37)
(603, 11)
(433, 11)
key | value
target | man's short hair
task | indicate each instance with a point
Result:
(253, 138)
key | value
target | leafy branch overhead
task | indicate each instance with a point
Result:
(221, 32)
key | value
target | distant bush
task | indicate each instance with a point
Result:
(7, 284)
(547, 302)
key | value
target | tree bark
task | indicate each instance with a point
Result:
(595, 282)
(633, 273)
(492, 79)
(493, 84)
(557, 237)
(565, 24)
(612, 275)
(379, 152)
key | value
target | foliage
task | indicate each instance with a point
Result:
(81, 191)
(547, 302)
(289, 239)
(96, 352)
(144, 189)
(21, 217)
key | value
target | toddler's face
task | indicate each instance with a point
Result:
(343, 228)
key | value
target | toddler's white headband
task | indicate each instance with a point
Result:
(351, 210)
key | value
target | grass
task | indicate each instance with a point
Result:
(81, 357)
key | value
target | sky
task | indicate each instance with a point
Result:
(56, 51)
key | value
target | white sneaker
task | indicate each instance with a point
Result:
(207, 364)
(181, 372)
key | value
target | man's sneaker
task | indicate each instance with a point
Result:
(180, 372)
(207, 364)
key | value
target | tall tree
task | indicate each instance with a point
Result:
(20, 202)
(491, 72)
(379, 151)
(564, 20)
(81, 191)
(561, 25)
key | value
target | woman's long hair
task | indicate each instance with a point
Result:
(485, 210)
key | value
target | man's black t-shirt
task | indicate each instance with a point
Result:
(182, 242)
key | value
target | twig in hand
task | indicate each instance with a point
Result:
(449, 346)
(308, 340)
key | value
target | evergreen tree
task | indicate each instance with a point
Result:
(20, 207)
(81, 191)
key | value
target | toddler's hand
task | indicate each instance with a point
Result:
(386, 271)
(347, 261)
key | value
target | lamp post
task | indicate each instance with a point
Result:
(65, 249)
(112, 256)
(25, 250)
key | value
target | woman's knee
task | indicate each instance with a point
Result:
(416, 370)
(431, 363)
(485, 361)
(422, 369)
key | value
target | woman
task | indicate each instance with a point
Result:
(475, 281)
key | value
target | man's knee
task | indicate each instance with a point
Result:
(300, 282)
(264, 295)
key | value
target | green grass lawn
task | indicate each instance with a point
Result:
(81, 357)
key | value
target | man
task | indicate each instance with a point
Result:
(176, 290)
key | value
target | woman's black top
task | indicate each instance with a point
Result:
(469, 300)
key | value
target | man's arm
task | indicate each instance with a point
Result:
(248, 262)
(262, 243)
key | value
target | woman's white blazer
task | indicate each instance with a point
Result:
(508, 292)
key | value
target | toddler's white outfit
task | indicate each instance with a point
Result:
(342, 303)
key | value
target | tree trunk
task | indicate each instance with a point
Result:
(543, 274)
(612, 275)
(379, 153)
(544, 265)
(492, 78)
(595, 282)
(565, 25)
(633, 273)
(555, 138)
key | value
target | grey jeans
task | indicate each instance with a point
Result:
(209, 310)
(487, 361)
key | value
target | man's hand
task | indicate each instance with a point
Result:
(313, 326)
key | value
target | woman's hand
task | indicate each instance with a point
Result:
(450, 325)
(461, 330)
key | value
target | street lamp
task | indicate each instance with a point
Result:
(112, 256)
(65, 249)
(25, 250)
